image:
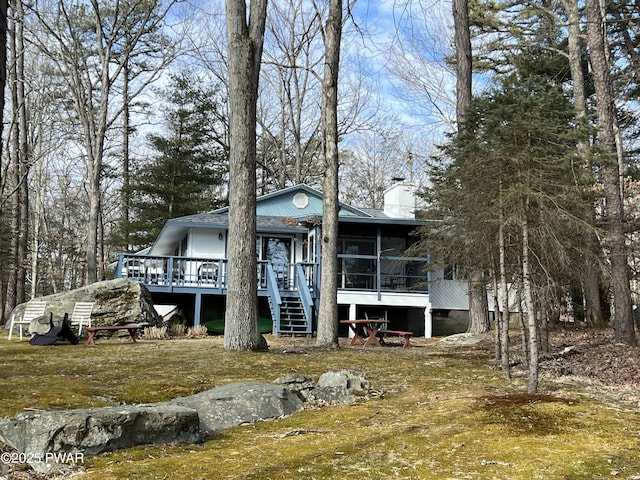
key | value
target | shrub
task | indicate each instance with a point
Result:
(177, 330)
(199, 331)
(155, 333)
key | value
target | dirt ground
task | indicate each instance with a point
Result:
(579, 358)
(593, 362)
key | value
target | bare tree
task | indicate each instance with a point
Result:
(90, 48)
(245, 38)
(20, 164)
(328, 313)
(288, 114)
(3, 81)
(3, 69)
(422, 80)
(575, 51)
(369, 162)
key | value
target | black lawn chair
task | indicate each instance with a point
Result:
(61, 332)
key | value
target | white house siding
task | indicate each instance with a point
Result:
(513, 298)
(206, 242)
(202, 243)
(448, 294)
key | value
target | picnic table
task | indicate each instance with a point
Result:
(365, 331)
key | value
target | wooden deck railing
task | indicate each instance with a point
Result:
(363, 272)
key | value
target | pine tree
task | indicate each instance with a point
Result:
(512, 176)
(190, 163)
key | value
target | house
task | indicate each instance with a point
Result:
(187, 264)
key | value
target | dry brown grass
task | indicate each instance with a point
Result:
(438, 411)
(155, 333)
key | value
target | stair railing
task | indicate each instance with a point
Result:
(305, 295)
(274, 297)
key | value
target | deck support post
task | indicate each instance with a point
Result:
(428, 323)
(197, 309)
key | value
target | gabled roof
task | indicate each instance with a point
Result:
(284, 211)
(297, 201)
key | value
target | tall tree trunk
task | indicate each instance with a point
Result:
(462, 39)
(543, 329)
(524, 333)
(3, 82)
(530, 310)
(478, 304)
(245, 37)
(575, 51)
(590, 274)
(327, 334)
(24, 160)
(3, 72)
(16, 292)
(497, 320)
(95, 129)
(95, 168)
(504, 293)
(125, 195)
(38, 216)
(12, 181)
(622, 317)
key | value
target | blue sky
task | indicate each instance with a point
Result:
(404, 45)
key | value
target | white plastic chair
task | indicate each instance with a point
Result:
(33, 310)
(81, 315)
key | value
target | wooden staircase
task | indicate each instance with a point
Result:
(292, 317)
(293, 320)
(291, 308)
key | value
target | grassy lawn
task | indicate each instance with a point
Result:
(438, 412)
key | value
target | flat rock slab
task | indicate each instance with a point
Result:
(238, 403)
(37, 435)
(96, 430)
(463, 339)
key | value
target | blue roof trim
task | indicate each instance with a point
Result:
(279, 201)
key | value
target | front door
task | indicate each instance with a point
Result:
(277, 250)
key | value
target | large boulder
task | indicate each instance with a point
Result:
(115, 302)
(237, 403)
(91, 431)
(42, 435)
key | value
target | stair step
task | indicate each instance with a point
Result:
(292, 315)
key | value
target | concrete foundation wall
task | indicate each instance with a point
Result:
(450, 323)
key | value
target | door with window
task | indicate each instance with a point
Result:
(277, 251)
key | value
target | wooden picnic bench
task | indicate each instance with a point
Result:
(365, 331)
(399, 333)
(131, 328)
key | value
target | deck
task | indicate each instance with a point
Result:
(188, 274)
